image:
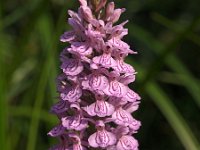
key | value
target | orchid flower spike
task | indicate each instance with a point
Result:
(95, 103)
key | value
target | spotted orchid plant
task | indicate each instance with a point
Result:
(95, 102)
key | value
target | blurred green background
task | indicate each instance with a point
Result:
(166, 35)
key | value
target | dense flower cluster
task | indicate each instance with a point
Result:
(95, 102)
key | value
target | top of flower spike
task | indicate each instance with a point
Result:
(83, 2)
(111, 14)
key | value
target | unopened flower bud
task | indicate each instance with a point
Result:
(101, 5)
(87, 13)
(109, 10)
(83, 2)
(116, 15)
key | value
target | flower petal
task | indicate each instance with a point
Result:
(109, 10)
(135, 125)
(83, 2)
(57, 131)
(121, 117)
(104, 60)
(72, 67)
(60, 107)
(120, 46)
(74, 122)
(76, 142)
(102, 139)
(95, 82)
(98, 82)
(131, 96)
(86, 12)
(123, 67)
(131, 107)
(127, 142)
(121, 130)
(59, 147)
(100, 108)
(67, 36)
(116, 88)
(80, 48)
(127, 79)
(92, 140)
(90, 109)
(78, 147)
(72, 94)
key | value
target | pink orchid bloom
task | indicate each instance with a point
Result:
(94, 87)
(102, 138)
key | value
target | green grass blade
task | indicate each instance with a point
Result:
(45, 30)
(51, 45)
(168, 109)
(27, 113)
(54, 71)
(37, 108)
(19, 13)
(188, 139)
(175, 27)
(173, 116)
(172, 61)
(3, 106)
(3, 99)
(166, 51)
(178, 79)
(19, 78)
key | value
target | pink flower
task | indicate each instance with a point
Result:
(95, 101)
(95, 82)
(80, 48)
(68, 36)
(131, 96)
(100, 108)
(116, 15)
(72, 67)
(104, 60)
(102, 138)
(77, 145)
(57, 131)
(118, 32)
(122, 117)
(116, 89)
(71, 94)
(60, 107)
(127, 142)
(87, 13)
(127, 78)
(59, 147)
(120, 47)
(75, 122)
